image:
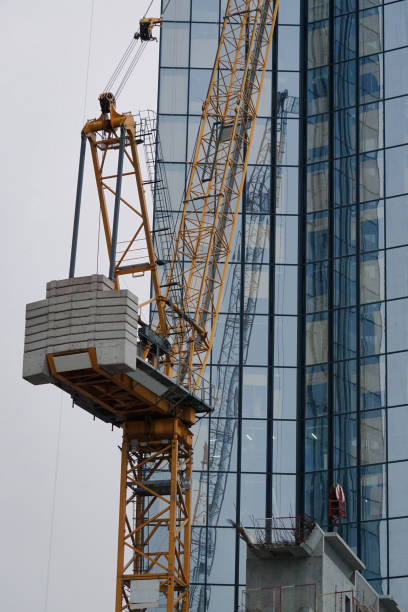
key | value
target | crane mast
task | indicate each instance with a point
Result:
(152, 390)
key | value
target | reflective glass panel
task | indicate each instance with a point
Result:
(174, 44)
(373, 492)
(173, 85)
(372, 329)
(372, 377)
(397, 378)
(397, 436)
(316, 444)
(345, 386)
(204, 42)
(284, 393)
(373, 436)
(316, 391)
(372, 226)
(316, 338)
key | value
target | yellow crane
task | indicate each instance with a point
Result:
(156, 404)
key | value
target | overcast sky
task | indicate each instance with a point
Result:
(43, 56)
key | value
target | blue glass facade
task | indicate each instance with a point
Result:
(352, 379)
(310, 360)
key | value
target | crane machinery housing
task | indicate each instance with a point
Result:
(87, 337)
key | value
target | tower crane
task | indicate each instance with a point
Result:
(150, 380)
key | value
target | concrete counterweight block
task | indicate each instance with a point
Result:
(81, 313)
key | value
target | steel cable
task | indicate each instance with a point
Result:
(130, 69)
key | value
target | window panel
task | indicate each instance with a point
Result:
(397, 170)
(371, 78)
(205, 11)
(199, 82)
(317, 138)
(345, 386)
(287, 178)
(317, 91)
(173, 137)
(374, 551)
(286, 239)
(397, 436)
(373, 436)
(318, 47)
(372, 385)
(253, 446)
(204, 42)
(345, 281)
(372, 277)
(397, 378)
(317, 186)
(371, 176)
(399, 544)
(345, 37)
(283, 495)
(317, 236)
(345, 440)
(176, 10)
(317, 287)
(373, 492)
(286, 285)
(254, 392)
(316, 487)
(345, 231)
(344, 84)
(288, 43)
(316, 391)
(397, 325)
(372, 226)
(395, 25)
(316, 444)
(316, 338)
(285, 341)
(397, 273)
(372, 329)
(345, 330)
(223, 541)
(396, 72)
(345, 181)
(284, 446)
(284, 393)
(173, 91)
(371, 126)
(396, 131)
(370, 31)
(174, 44)
(397, 221)
(344, 132)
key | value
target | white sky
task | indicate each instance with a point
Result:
(43, 57)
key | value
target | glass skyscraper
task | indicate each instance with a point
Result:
(309, 368)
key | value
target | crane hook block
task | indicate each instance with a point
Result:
(146, 26)
(105, 100)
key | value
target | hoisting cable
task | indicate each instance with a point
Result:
(130, 69)
(120, 65)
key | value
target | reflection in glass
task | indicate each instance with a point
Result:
(373, 492)
(345, 440)
(372, 226)
(204, 42)
(397, 378)
(344, 84)
(316, 488)
(173, 83)
(370, 31)
(371, 126)
(318, 37)
(371, 81)
(317, 138)
(345, 386)
(317, 91)
(345, 281)
(397, 273)
(345, 181)
(316, 287)
(372, 329)
(372, 377)
(345, 37)
(316, 338)
(372, 277)
(371, 176)
(317, 236)
(373, 436)
(345, 231)
(397, 437)
(345, 329)
(317, 186)
(316, 444)
(345, 132)
(316, 391)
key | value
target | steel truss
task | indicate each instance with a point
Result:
(155, 521)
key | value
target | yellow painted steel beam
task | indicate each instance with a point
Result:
(103, 139)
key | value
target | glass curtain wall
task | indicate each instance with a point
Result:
(245, 452)
(353, 381)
